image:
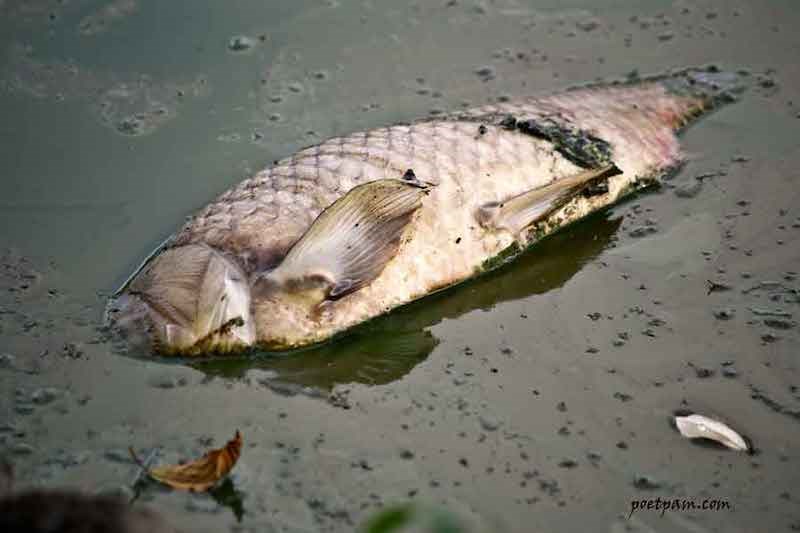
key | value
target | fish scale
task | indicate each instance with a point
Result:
(472, 158)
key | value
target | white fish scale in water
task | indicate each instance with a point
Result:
(474, 162)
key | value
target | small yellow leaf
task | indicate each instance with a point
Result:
(202, 474)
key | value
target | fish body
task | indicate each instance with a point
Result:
(349, 229)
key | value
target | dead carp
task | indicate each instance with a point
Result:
(349, 229)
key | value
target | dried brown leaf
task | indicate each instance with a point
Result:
(199, 475)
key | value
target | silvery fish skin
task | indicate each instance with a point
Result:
(448, 198)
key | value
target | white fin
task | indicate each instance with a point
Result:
(701, 427)
(171, 282)
(349, 244)
(521, 211)
(199, 297)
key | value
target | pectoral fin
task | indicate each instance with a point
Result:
(520, 212)
(350, 243)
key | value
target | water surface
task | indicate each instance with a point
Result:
(526, 400)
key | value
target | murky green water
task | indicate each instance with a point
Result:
(529, 399)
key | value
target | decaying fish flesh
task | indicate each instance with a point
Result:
(349, 229)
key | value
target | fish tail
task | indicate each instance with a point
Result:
(698, 91)
(681, 96)
(691, 93)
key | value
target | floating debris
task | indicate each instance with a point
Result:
(642, 231)
(714, 286)
(695, 426)
(703, 373)
(729, 372)
(706, 175)
(199, 475)
(71, 350)
(724, 313)
(769, 338)
(568, 463)
(623, 397)
(485, 73)
(240, 43)
(587, 25)
(646, 483)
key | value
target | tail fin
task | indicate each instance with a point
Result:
(702, 90)
(690, 92)
(711, 84)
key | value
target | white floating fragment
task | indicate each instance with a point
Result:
(701, 427)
